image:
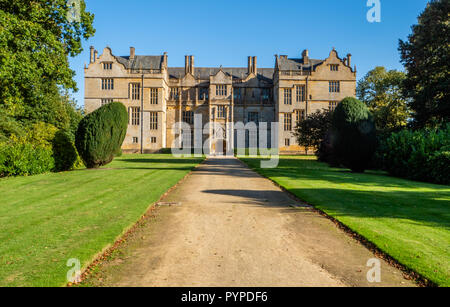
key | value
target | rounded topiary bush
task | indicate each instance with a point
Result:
(101, 133)
(354, 141)
(64, 151)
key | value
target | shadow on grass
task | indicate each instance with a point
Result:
(162, 161)
(348, 194)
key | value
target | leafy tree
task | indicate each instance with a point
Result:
(36, 38)
(426, 57)
(381, 91)
(354, 135)
(311, 131)
(101, 133)
(9, 127)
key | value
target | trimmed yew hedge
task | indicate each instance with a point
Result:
(101, 133)
(353, 135)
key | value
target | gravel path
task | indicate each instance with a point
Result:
(235, 228)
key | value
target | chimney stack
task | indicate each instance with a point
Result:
(191, 64)
(165, 60)
(255, 66)
(95, 55)
(250, 65)
(305, 56)
(132, 53)
(349, 60)
(186, 64)
(92, 55)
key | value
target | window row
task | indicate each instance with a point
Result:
(106, 101)
(107, 66)
(107, 84)
(221, 90)
(300, 94)
(334, 86)
(152, 140)
(334, 67)
(239, 93)
(135, 115)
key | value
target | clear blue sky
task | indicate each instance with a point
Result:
(219, 32)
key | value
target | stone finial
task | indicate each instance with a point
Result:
(92, 55)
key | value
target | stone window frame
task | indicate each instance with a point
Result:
(135, 91)
(154, 95)
(174, 93)
(153, 120)
(106, 101)
(135, 116)
(332, 105)
(288, 96)
(287, 121)
(334, 86)
(221, 112)
(300, 115)
(334, 67)
(301, 92)
(107, 65)
(107, 83)
(188, 117)
(221, 90)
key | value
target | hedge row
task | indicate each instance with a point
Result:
(422, 155)
(24, 159)
(20, 158)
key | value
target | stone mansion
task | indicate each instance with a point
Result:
(158, 96)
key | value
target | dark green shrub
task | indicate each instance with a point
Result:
(439, 165)
(21, 159)
(311, 131)
(64, 151)
(326, 153)
(100, 134)
(411, 154)
(354, 142)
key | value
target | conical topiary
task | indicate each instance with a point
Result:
(355, 140)
(101, 133)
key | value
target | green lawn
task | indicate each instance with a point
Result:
(408, 220)
(47, 219)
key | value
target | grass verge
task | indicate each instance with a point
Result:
(408, 220)
(46, 220)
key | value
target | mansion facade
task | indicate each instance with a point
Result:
(158, 97)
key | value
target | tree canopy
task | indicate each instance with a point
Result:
(311, 131)
(36, 39)
(381, 91)
(426, 57)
